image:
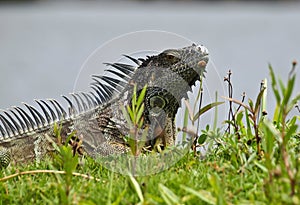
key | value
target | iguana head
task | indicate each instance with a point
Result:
(169, 76)
(188, 62)
(184, 61)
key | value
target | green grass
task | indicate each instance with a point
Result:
(219, 177)
(46, 188)
(256, 161)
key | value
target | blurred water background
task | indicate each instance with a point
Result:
(43, 44)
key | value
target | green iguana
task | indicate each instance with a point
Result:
(97, 118)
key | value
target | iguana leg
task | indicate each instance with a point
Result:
(5, 157)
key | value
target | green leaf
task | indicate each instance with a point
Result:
(262, 167)
(292, 121)
(274, 85)
(110, 188)
(250, 102)
(131, 114)
(70, 162)
(269, 125)
(133, 99)
(202, 138)
(239, 117)
(205, 109)
(204, 195)
(269, 142)
(249, 131)
(57, 132)
(290, 132)
(293, 103)
(258, 101)
(85, 202)
(141, 97)
(140, 123)
(119, 198)
(63, 195)
(69, 137)
(169, 197)
(137, 187)
(276, 115)
(139, 114)
(289, 90)
(214, 181)
(229, 122)
(282, 87)
(55, 129)
(126, 116)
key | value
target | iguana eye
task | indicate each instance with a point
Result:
(170, 56)
(172, 59)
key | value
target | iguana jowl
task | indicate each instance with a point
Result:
(97, 118)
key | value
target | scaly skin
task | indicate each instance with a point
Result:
(97, 119)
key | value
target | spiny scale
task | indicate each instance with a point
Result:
(17, 121)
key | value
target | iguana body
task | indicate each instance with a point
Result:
(97, 117)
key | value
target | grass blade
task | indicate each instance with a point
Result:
(205, 109)
(137, 187)
(169, 197)
(204, 195)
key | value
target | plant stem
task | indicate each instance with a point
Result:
(285, 156)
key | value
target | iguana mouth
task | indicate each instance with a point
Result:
(204, 52)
